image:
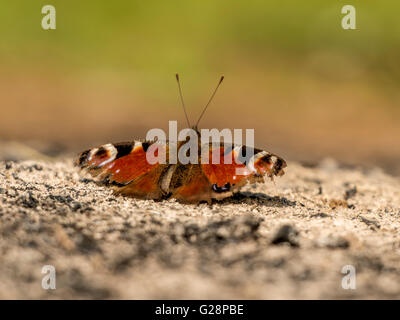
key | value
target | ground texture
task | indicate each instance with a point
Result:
(290, 239)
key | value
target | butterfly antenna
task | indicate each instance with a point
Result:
(209, 101)
(183, 103)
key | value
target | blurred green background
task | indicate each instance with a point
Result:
(309, 88)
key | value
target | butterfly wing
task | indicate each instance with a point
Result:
(128, 167)
(225, 171)
(230, 167)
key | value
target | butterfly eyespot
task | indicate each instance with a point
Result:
(101, 152)
(224, 188)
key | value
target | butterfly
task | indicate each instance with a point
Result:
(126, 168)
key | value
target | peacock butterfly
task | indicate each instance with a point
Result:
(126, 168)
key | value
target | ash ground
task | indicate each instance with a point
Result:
(290, 239)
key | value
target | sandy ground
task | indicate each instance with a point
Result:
(290, 239)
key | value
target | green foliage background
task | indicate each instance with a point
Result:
(197, 37)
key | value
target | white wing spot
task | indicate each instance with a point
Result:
(112, 153)
(253, 160)
(91, 153)
(137, 145)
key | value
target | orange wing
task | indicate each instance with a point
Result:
(238, 164)
(126, 166)
(191, 185)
